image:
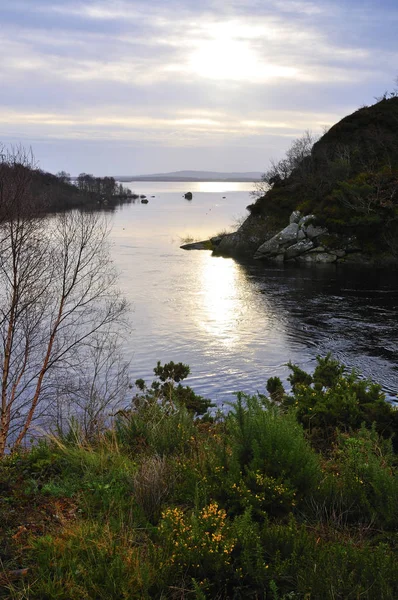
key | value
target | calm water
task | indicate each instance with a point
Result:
(238, 323)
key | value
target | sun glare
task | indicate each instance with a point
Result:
(221, 307)
(227, 55)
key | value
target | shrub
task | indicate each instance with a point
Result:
(267, 463)
(365, 480)
(331, 399)
(199, 544)
(152, 485)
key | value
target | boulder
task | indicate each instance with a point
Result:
(295, 216)
(312, 231)
(279, 258)
(188, 196)
(306, 220)
(301, 235)
(339, 252)
(316, 257)
(269, 248)
(288, 235)
(298, 248)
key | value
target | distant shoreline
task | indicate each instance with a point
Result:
(186, 179)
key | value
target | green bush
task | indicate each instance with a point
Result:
(333, 399)
(265, 462)
(365, 483)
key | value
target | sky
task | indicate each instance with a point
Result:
(125, 87)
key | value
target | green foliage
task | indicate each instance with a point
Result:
(239, 506)
(166, 392)
(100, 563)
(156, 428)
(275, 389)
(349, 179)
(364, 481)
(331, 399)
(268, 465)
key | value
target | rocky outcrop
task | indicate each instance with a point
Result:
(304, 241)
(245, 241)
(210, 244)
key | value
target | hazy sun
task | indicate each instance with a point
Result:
(227, 55)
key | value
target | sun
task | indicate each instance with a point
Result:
(227, 55)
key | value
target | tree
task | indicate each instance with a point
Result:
(57, 292)
(295, 159)
(63, 176)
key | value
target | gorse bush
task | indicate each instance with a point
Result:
(331, 398)
(265, 462)
(365, 480)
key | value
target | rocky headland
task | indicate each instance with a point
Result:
(332, 201)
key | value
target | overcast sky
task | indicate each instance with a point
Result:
(130, 87)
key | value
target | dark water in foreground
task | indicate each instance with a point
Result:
(238, 323)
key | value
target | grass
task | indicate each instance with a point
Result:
(169, 505)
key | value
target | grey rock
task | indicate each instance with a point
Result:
(307, 219)
(216, 240)
(204, 245)
(279, 258)
(245, 241)
(295, 216)
(297, 249)
(300, 235)
(318, 249)
(288, 235)
(275, 245)
(318, 257)
(312, 232)
(269, 248)
(339, 252)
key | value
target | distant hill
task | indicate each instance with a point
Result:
(193, 176)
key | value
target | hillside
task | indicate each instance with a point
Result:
(193, 176)
(349, 181)
(41, 192)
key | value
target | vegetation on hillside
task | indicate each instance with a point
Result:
(287, 496)
(55, 192)
(348, 178)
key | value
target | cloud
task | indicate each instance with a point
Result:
(179, 72)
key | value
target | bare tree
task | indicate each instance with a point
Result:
(57, 290)
(93, 390)
(299, 150)
(63, 176)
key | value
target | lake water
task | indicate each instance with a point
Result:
(236, 323)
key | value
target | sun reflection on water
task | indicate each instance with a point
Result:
(222, 309)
